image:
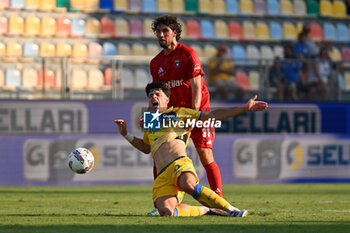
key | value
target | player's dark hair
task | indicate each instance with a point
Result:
(170, 21)
(158, 85)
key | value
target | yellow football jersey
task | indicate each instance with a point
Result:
(172, 125)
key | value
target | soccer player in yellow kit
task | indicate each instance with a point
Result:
(176, 173)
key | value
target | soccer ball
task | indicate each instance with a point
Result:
(81, 160)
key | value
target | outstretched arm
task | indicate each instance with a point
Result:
(223, 113)
(136, 142)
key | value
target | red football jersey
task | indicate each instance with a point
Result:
(176, 69)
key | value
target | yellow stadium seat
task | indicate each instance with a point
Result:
(221, 29)
(289, 31)
(209, 51)
(32, 4)
(47, 49)
(31, 26)
(205, 6)
(63, 49)
(138, 49)
(163, 6)
(147, 28)
(326, 8)
(121, 5)
(184, 29)
(219, 7)
(48, 26)
(152, 49)
(15, 25)
(198, 49)
(347, 81)
(2, 50)
(339, 9)
(95, 80)
(29, 78)
(92, 27)
(124, 49)
(2, 79)
(286, 7)
(248, 30)
(79, 79)
(77, 5)
(121, 27)
(254, 79)
(79, 52)
(262, 31)
(47, 5)
(177, 6)
(246, 7)
(335, 54)
(91, 6)
(13, 51)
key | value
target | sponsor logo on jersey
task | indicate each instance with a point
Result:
(174, 83)
(161, 72)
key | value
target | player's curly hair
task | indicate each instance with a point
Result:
(158, 85)
(170, 21)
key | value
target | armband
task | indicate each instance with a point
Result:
(129, 137)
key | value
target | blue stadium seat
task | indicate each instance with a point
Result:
(78, 27)
(276, 31)
(109, 49)
(239, 54)
(17, 4)
(207, 29)
(329, 32)
(342, 32)
(13, 77)
(232, 7)
(273, 7)
(149, 5)
(106, 5)
(30, 49)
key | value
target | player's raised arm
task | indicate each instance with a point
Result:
(136, 142)
(223, 113)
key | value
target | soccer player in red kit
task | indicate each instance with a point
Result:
(178, 66)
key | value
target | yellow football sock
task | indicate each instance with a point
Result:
(189, 211)
(209, 198)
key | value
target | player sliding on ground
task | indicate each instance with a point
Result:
(167, 143)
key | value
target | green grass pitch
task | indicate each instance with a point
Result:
(272, 208)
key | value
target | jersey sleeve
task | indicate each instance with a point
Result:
(194, 65)
(188, 113)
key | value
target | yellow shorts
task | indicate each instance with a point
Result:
(166, 182)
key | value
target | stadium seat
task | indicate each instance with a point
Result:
(316, 32)
(13, 78)
(109, 49)
(347, 81)
(91, 6)
(221, 29)
(286, 8)
(106, 28)
(124, 49)
(276, 31)
(149, 6)
(79, 79)
(267, 54)
(138, 49)
(62, 5)
(326, 8)
(135, 5)
(191, 6)
(141, 78)
(220, 7)
(121, 28)
(79, 52)
(135, 28)
(262, 31)
(108, 78)
(339, 9)
(92, 27)
(48, 26)
(193, 29)
(13, 51)
(335, 54)
(177, 6)
(3, 25)
(30, 51)
(47, 5)
(15, 25)
(209, 50)
(95, 80)
(2, 79)
(76, 5)
(242, 79)
(119, 5)
(235, 30)
(198, 49)
(345, 53)
(152, 49)
(207, 29)
(147, 28)
(248, 30)
(46, 78)
(239, 54)
(47, 49)
(31, 5)
(184, 29)
(108, 5)
(259, 7)
(299, 8)
(278, 51)
(78, 28)
(31, 26)
(4, 4)
(312, 7)
(273, 7)
(63, 49)
(29, 78)
(205, 6)
(63, 26)
(163, 6)
(246, 7)
(17, 4)
(330, 33)
(2, 50)
(127, 79)
(342, 32)
(95, 51)
(254, 79)
(232, 7)
(289, 31)
(253, 55)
